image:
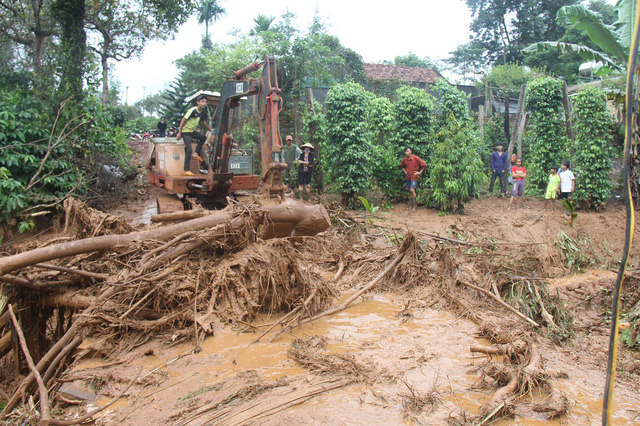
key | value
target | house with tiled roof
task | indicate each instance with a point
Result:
(419, 77)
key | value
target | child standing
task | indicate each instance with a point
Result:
(552, 188)
(519, 173)
(567, 182)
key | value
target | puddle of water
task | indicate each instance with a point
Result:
(139, 216)
(120, 403)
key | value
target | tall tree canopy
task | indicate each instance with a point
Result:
(504, 27)
(123, 27)
(209, 11)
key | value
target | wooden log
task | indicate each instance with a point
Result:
(303, 220)
(71, 300)
(175, 216)
(5, 344)
(4, 319)
(307, 220)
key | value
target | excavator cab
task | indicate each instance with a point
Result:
(229, 169)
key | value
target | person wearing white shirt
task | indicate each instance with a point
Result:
(567, 182)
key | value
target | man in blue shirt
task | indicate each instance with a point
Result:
(498, 168)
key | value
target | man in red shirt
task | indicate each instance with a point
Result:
(413, 167)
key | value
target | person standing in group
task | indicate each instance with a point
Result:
(162, 128)
(413, 166)
(305, 162)
(498, 168)
(567, 182)
(188, 126)
(518, 173)
(290, 154)
(514, 158)
(552, 188)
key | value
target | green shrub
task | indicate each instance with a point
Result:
(385, 155)
(547, 132)
(452, 103)
(457, 168)
(414, 121)
(47, 157)
(37, 166)
(592, 152)
(346, 152)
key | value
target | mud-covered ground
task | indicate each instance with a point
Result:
(403, 356)
(400, 354)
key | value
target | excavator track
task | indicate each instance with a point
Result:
(169, 203)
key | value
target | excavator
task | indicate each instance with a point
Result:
(229, 169)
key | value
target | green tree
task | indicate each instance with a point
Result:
(173, 102)
(566, 64)
(452, 103)
(201, 70)
(70, 17)
(504, 27)
(208, 12)
(346, 151)
(592, 157)
(509, 77)
(612, 40)
(413, 60)
(262, 23)
(385, 155)
(30, 25)
(414, 121)
(124, 28)
(547, 131)
(467, 60)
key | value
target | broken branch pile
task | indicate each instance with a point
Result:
(184, 276)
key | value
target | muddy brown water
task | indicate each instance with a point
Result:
(430, 350)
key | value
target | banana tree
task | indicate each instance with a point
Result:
(613, 40)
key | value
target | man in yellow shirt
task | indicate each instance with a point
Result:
(188, 126)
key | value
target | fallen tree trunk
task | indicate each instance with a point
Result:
(299, 220)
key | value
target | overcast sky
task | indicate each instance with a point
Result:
(427, 28)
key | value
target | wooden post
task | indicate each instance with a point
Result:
(311, 100)
(520, 132)
(517, 125)
(507, 102)
(481, 120)
(568, 107)
(488, 100)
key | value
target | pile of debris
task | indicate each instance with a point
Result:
(208, 270)
(103, 278)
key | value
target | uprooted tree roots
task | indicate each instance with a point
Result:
(128, 286)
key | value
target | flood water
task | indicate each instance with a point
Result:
(429, 352)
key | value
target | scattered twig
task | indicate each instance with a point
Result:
(89, 274)
(494, 297)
